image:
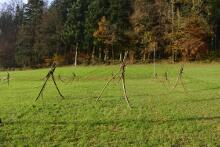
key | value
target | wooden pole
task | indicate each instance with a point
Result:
(8, 78)
(123, 83)
(41, 91)
(166, 76)
(56, 86)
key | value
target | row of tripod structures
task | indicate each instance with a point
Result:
(119, 75)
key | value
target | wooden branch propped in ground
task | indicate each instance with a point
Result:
(180, 79)
(50, 74)
(121, 75)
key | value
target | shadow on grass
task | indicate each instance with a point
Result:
(206, 89)
(186, 93)
(93, 123)
(204, 100)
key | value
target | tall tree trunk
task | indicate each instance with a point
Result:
(106, 57)
(172, 16)
(132, 57)
(178, 17)
(193, 6)
(144, 55)
(113, 55)
(144, 58)
(120, 57)
(155, 62)
(100, 54)
(93, 55)
(76, 55)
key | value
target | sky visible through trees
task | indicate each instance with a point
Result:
(25, 1)
(3, 1)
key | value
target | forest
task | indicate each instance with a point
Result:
(101, 31)
(122, 73)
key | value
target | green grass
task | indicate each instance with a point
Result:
(157, 117)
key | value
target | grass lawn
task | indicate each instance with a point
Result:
(158, 116)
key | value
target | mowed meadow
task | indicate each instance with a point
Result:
(159, 116)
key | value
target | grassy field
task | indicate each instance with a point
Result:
(158, 117)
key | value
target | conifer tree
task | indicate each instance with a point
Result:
(26, 54)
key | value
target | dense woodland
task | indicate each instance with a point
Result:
(100, 31)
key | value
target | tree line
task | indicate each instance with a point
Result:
(101, 31)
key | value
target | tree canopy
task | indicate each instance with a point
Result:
(33, 34)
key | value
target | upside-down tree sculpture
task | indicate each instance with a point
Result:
(121, 75)
(50, 74)
(180, 79)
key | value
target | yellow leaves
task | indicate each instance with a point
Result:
(104, 32)
(59, 59)
(101, 29)
(148, 38)
(103, 25)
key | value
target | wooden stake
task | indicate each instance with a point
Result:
(8, 78)
(123, 83)
(1, 122)
(41, 91)
(166, 76)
